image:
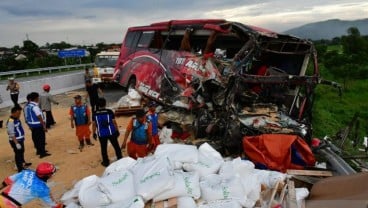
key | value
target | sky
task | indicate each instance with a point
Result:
(88, 22)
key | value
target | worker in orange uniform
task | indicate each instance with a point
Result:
(141, 138)
(152, 117)
(80, 117)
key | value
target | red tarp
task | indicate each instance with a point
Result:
(278, 151)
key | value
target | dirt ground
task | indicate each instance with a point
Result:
(62, 143)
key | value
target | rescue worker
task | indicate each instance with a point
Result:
(16, 137)
(27, 185)
(107, 130)
(36, 123)
(13, 86)
(152, 117)
(92, 93)
(80, 117)
(45, 105)
(141, 138)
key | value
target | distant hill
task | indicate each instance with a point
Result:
(328, 29)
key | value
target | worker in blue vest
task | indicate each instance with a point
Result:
(36, 123)
(80, 117)
(107, 130)
(16, 137)
(141, 138)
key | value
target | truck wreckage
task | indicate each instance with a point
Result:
(227, 81)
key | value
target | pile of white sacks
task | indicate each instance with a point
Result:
(197, 177)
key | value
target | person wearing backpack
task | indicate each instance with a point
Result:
(104, 123)
(141, 138)
(80, 118)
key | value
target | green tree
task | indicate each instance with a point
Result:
(30, 46)
(353, 43)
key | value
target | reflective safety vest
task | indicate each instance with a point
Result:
(18, 128)
(153, 119)
(104, 123)
(80, 114)
(31, 117)
(139, 133)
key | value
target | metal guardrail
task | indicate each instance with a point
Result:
(39, 70)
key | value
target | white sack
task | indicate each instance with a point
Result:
(90, 195)
(135, 202)
(209, 161)
(214, 187)
(186, 184)
(301, 194)
(269, 178)
(152, 176)
(118, 186)
(178, 152)
(165, 136)
(134, 94)
(227, 203)
(252, 189)
(133, 98)
(186, 202)
(72, 205)
(72, 195)
(249, 180)
(123, 164)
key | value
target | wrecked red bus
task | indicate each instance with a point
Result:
(235, 79)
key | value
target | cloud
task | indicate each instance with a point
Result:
(106, 21)
(28, 12)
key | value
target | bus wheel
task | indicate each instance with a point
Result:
(131, 83)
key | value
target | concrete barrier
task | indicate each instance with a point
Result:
(59, 84)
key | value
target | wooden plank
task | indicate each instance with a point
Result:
(282, 194)
(127, 110)
(309, 172)
(270, 203)
(169, 203)
(291, 197)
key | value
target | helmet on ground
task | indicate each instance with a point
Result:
(46, 87)
(45, 170)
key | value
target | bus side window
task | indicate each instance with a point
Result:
(131, 39)
(157, 41)
(145, 39)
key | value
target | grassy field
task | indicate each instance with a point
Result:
(337, 48)
(332, 112)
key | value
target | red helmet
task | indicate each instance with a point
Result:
(46, 87)
(45, 169)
